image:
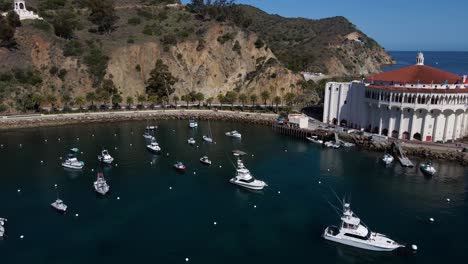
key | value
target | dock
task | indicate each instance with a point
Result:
(404, 161)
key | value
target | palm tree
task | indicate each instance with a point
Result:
(164, 101)
(209, 101)
(199, 97)
(66, 98)
(277, 101)
(129, 101)
(153, 99)
(265, 96)
(141, 98)
(91, 97)
(38, 100)
(80, 100)
(117, 99)
(51, 100)
(221, 99)
(253, 98)
(243, 99)
(187, 99)
(289, 98)
(231, 97)
(175, 99)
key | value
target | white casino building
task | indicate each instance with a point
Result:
(415, 102)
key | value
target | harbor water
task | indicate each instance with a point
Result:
(155, 214)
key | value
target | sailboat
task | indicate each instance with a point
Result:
(208, 138)
(58, 204)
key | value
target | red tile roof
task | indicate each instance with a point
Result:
(416, 73)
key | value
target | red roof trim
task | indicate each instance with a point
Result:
(416, 74)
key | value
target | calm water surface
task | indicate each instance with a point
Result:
(154, 224)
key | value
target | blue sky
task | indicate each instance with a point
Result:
(426, 25)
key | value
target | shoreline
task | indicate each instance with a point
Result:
(50, 120)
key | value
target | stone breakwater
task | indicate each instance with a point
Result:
(15, 122)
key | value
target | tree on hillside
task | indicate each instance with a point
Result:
(38, 99)
(175, 99)
(209, 101)
(141, 98)
(221, 99)
(51, 100)
(96, 61)
(187, 98)
(129, 101)
(153, 99)
(161, 80)
(243, 99)
(91, 97)
(8, 25)
(289, 98)
(277, 101)
(64, 23)
(253, 99)
(265, 97)
(231, 97)
(102, 15)
(116, 100)
(66, 99)
(199, 97)
(13, 19)
(80, 100)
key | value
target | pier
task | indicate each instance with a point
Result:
(404, 160)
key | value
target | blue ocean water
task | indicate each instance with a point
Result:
(452, 61)
(154, 223)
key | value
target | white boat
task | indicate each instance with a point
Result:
(353, 233)
(72, 162)
(59, 205)
(105, 157)
(2, 226)
(387, 158)
(427, 168)
(148, 136)
(179, 166)
(347, 144)
(234, 134)
(207, 139)
(331, 144)
(191, 141)
(100, 185)
(205, 160)
(193, 123)
(314, 139)
(152, 127)
(154, 146)
(245, 179)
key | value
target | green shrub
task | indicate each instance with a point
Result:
(62, 73)
(237, 47)
(42, 25)
(73, 48)
(259, 44)
(134, 21)
(225, 38)
(53, 70)
(138, 68)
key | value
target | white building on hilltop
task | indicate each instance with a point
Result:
(19, 6)
(415, 102)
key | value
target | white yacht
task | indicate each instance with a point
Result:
(100, 185)
(154, 146)
(245, 179)
(2, 226)
(72, 162)
(387, 158)
(353, 233)
(331, 144)
(314, 139)
(191, 141)
(105, 157)
(427, 168)
(234, 134)
(207, 139)
(152, 127)
(148, 136)
(193, 123)
(205, 160)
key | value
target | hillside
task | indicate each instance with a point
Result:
(107, 52)
(332, 45)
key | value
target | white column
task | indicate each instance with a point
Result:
(380, 120)
(391, 122)
(424, 127)
(462, 132)
(400, 128)
(454, 133)
(412, 127)
(445, 128)
(434, 129)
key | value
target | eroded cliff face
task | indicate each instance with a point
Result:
(212, 69)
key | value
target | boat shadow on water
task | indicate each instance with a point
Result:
(243, 192)
(73, 173)
(350, 254)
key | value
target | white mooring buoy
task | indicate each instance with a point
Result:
(448, 200)
(186, 259)
(431, 219)
(22, 236)
(414, 247)
(76, 215)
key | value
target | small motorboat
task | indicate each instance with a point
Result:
(59, 205)
(100, 185)
(205, 160)
(193, 123)
(179, 166)
(2, 226)
(331, 144)
(234, 134)
(191, 141)
(105, 157)
(387, 159)
(72, 162)
(207, 139)
(353, 233)
(148, 136)
(427, 168)
(238, 153)
(245, 179)
(314, 139)
(152, 127)
(154, 147)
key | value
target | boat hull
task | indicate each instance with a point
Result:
(72, 166)
(247, 186)
(361, 245)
